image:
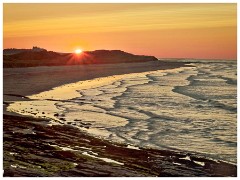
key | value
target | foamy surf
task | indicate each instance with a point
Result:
(188, 109)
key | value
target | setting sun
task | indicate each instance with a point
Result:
(78, 51)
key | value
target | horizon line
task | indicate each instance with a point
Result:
(176, 58)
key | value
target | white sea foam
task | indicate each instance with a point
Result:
(103, 159)
(188, 108)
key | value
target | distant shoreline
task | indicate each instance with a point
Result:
(195, 60)
(41, 57)
(32, 80)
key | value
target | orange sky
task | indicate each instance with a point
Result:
(162, 30)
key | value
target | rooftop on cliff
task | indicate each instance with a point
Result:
(41, 57)
(11, 51)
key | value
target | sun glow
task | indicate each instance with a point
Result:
(78, 51)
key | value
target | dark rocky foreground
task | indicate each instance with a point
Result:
(30, 148)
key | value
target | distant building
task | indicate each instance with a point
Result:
(37, 49)
(11, 51)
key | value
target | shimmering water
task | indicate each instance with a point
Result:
(188, 109)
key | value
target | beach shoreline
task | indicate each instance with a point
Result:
(33, 80)
(43, 104)
(57, 141)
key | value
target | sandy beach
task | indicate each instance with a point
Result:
(31, 148)
(34, 80)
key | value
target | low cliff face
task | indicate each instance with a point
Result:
(49, 58)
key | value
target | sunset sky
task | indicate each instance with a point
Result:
(162, 30)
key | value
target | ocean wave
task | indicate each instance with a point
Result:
(190, 108)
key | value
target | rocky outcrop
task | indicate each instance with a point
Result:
(30, 148)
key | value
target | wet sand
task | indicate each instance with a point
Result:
(20, 82)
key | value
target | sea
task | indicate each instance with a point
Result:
(189, 109)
